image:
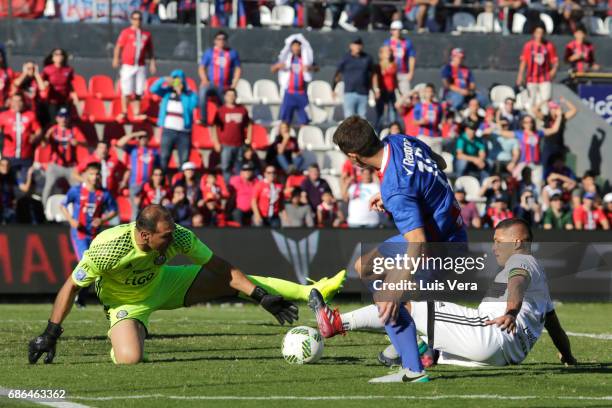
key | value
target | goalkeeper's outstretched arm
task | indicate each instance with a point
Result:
(45, 343)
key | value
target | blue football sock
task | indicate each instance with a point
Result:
(403, 338)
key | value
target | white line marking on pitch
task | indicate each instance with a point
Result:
(342, 397)
(602, 336)
(49, 402)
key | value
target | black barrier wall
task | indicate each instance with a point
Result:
(258, 45)
(38, 260)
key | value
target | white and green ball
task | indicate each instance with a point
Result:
(302, 345)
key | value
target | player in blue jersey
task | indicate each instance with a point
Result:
(416, 192)
(92, 206)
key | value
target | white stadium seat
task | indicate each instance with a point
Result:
(320, 93)
(488, 23)
(265, 16)
(317, 115)
(548, 22)
(448, 158)
(518, 22)
(283, 16)
(311, 138)
(595, 25)
(332, 162)
(462, 21)
(245, 93)
(329, 135)
(499, 93)
(266, 91)
(53, 211)
(334, 184)
(471, 185)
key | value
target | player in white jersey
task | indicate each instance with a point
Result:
(506, 324)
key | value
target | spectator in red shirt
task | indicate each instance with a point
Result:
(294, 180)
(233, 132)
(20, 131)
(498, 210)
(31, 85)
(135, 46)
(328, 212)
(243, 188)
(212, 213)
(150, 10)
(539, 61)
(58, 76)
(267, 202)
(579, 53)
(6, 78)
(156, 191)
(607, 202)
(588, 217)
(113, 175)
(385, 94)
(210, 187)
(63, 139)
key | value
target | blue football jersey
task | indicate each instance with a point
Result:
(417, 193)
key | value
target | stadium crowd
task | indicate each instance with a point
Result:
(418, 15)
(196, 150)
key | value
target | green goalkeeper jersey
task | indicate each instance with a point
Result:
(123, 273)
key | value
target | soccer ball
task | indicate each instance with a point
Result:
(302, 345)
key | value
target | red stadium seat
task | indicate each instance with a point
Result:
(211, 112)
(102, 87)
(95, 111)
(79, 85)
(116, 110)
(259, 137)
(192, 85)
(194, 157)
(200, 137)
(150, 107)
(125, 209)
(147, 93)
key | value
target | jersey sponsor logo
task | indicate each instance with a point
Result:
(80, 275)
(141, 280)
(408, 161)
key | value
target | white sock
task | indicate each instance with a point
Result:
(364, 318)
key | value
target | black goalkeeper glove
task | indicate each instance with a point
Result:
(45, 343)
(283, 310)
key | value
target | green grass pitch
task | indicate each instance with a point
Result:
(216, 351)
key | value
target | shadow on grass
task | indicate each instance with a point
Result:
(523, 369)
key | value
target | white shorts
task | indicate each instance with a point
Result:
(461, 335)
(539, 92)
(403, 84)
(133, 79)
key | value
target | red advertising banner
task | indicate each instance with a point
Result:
(22, 8)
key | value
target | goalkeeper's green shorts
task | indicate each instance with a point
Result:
(170, 294)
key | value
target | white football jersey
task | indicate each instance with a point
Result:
(536, 304)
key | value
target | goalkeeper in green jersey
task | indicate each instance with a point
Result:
(128, 265)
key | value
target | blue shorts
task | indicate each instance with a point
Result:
(79, 245)
(294, 103)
